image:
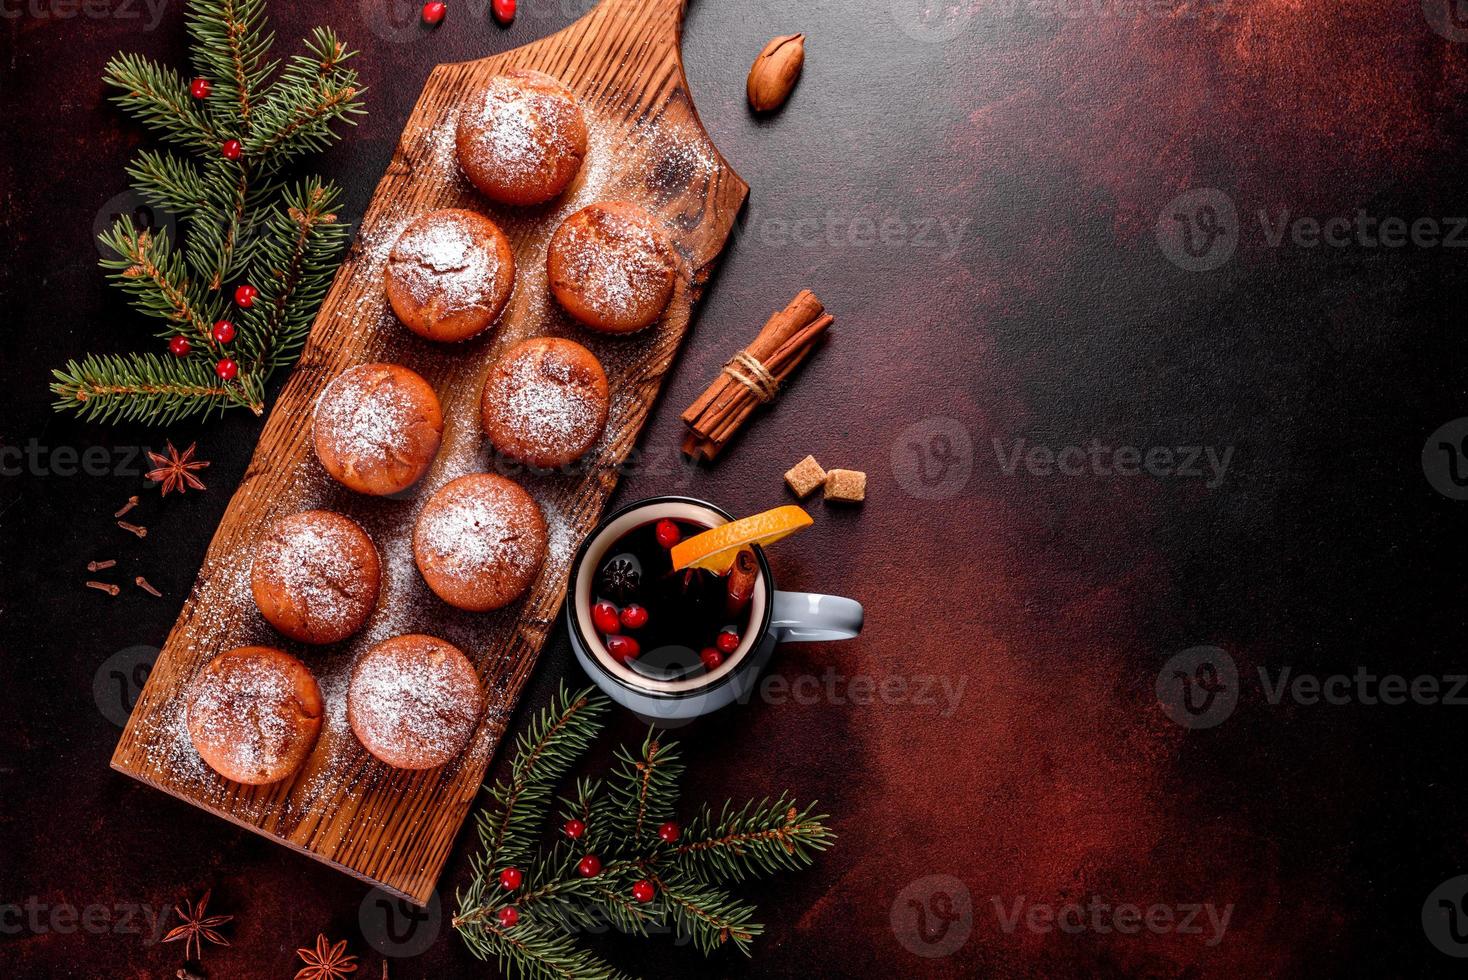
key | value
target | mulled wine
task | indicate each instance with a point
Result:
(667, 625)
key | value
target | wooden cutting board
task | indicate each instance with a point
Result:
(390, 827)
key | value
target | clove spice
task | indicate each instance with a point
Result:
(98, 566)
(131, 503)
(141, 532)
(106, 587)
(147, 587)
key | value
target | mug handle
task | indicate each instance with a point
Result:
(797, 617)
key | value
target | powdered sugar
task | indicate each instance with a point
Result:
(618, 266)
(475, 528)
(375, 417)
(321, 573)
(248, 711)
(544, 405)
(415, 700)
(449, 259)
(518, 132)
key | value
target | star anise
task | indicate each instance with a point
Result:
(176, 471)
(326, 962)
(197, 927)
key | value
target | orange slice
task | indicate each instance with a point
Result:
(715, 548)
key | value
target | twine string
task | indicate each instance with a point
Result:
(746, 369)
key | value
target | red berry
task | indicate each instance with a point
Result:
(669, 832)
(504, 10)
(200, 88)
(223, 331)
(227, 368)
(604, 617)
(634, 617)
(622, 648)
(667, 533)
(508, 916)
(179, 346)
(589, 867)
(433, 13)
(727, 641)
(711, 658)
(643, 891)
(231, 149)
(575, 829)
(244, 296)
(510, 879)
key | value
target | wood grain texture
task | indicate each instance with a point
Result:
(647, 145)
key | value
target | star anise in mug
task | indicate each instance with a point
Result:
(326, 962)
(621, 577)
(176, 470)
(197, 927)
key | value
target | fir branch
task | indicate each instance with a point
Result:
(146, 265)
(757, 839)
(159, 98)
(293, 268)
(168, 181)
(642, 791)
(314, 91)
(547, 749)
(537, 951)
(218, 243)
(711, 916)
(231, 44)
(137, 387)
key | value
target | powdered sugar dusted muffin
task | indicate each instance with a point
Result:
(253, 714)
(522, 138)
(612, 267)
(377, 428)
(480, 542)
(413, 701)
(316, 576)
(545, 402)
(450, 274)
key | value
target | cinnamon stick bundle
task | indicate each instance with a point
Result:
(753, 376)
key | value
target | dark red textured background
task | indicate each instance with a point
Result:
(1050, 140)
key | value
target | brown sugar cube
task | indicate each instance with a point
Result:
(805, 476)
(846, 486)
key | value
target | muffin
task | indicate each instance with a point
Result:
(612, 267)
(413, 701)
(545, 402)
(480, 542)
(377, 428)
(316, 576)
(253, 714)
(522, 138)
(450, 274)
